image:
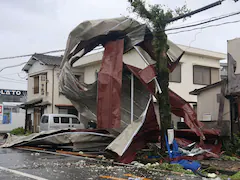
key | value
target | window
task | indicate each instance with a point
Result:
(63, 111)
(75, 121)
(195, 108)
(36, 85)
(79, 77)
(45, 119)
(56, 119)
(205, 75)
(175, 76)
(65, 120)
(68, 110)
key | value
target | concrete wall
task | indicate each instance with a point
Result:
(18, 120)
(233, 48)
(207, 104)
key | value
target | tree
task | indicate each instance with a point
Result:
(157, 16)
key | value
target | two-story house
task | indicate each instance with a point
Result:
(43, 92)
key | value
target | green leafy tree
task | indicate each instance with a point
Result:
(158, 16)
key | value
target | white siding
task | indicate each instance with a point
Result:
(207, 104)
(90, 73)
(52, 89)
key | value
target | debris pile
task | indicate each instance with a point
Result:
(107, 100)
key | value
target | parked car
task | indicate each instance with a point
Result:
(60, 121)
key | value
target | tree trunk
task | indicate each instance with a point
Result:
(161, 47)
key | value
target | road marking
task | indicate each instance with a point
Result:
(133, 176)
(112, 178)
(22, 173)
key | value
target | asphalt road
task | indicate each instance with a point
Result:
(26, 165)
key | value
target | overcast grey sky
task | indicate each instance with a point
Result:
(29, 26)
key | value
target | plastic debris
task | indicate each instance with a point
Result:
(212, 175)
(137, 164)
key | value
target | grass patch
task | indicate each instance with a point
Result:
(235, 176)
(19, 131)
(168, 167)
(229, 158)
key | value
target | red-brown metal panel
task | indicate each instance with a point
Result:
(109, 86)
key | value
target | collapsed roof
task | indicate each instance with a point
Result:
(107, 100)
(89, 34)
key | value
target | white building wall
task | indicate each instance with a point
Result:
(37, 69)
(187, 85)
(52, 95)
(18, 120)
(207, 104)
(90, 73)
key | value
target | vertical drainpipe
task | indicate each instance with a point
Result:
(53, 87)
(231, 117)
(132, 96)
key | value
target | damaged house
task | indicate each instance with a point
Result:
(121, 96)
(117, 90)
(196, 69)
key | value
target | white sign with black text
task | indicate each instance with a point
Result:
(10, 92)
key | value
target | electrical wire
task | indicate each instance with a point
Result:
(190, 23)
(12, 79)
(205, 27)
(27, 55)
(201, 23)
(170, 29)
(22, 77)
(12, 66)
(12, 73)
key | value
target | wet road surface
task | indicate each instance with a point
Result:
(26, 165)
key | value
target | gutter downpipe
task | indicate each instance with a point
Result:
(53, 87)
(132, 96)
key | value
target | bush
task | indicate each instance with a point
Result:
(18, 131)
(236, 176)
(232, 147)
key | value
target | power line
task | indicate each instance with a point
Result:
(12, 66)
(12, 73)
(12, 79)
(170, 29)
(48, 52)
(205, 27)
(22, 77)
(219, 2)
(208, 21)
(27, 55)
(190, 23)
